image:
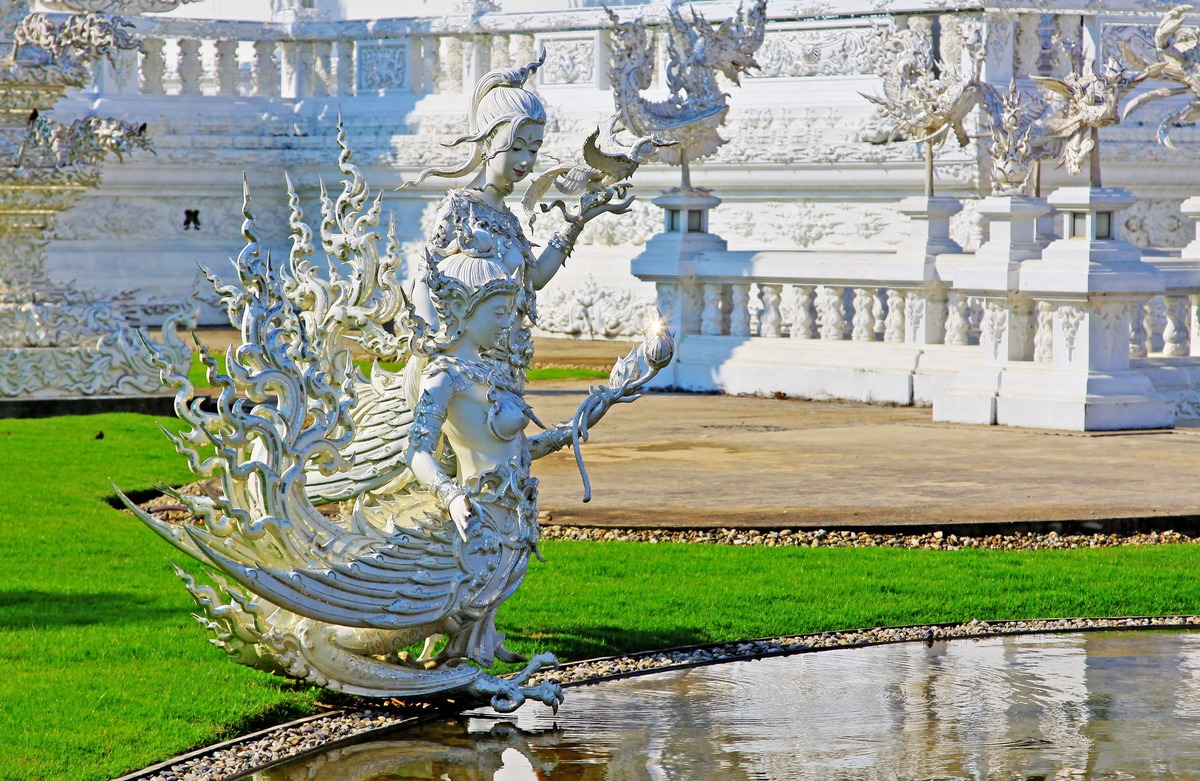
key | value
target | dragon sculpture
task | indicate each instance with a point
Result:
(338, 599)
(686, 123)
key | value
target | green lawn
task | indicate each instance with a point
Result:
(105, 671)
(197, 372)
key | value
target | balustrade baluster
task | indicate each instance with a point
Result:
(711, 317)
(154, 66)
(1138, 337)
(1175, 335)
(265, 73)
(429, 64)
(1043, 333)
(346, 77)
(1194, 325)
(227, 68)
(803, 314)
(450, 58)
(863, 320)
(190, 67)
(739, 310)
(500, 57)
(771, 321)
(893, 324)
(957, 323)
(879, 312)
(522, 49)
(831, 316)
(323, 83)
(1155, 322)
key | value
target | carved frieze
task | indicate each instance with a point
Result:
(382, 68)
(591, 311)
(569, 61)
(819, 52)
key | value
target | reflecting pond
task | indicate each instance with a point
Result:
(1111, 705)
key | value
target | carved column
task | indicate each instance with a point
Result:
(803, 315)
(739, 310)
(1194, 325)
(863, 321)
(1138, 338)
(771, 322)
(265, 73)
(712, 318)
(1175, 335)
(346, 76)
(831, 316)
(295, 69)
(450, 60)
(499, 56)
(190, 66)
(893, 323)
(154, 66)
(323, 83)
(429, 65)
(227, 68)
(956, 319)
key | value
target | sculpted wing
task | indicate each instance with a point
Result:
(381, 422)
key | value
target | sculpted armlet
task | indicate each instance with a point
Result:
(423, 436)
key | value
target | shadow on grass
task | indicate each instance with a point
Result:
(28, 609)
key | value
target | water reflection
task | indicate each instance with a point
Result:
(1118, 705)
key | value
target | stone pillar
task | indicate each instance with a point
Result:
(227, 68)
(1091, 281)
(668, 260)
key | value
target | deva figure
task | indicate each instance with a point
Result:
(420, 545)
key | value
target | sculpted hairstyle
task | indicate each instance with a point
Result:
(500, 106)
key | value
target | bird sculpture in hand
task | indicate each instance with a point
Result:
(608, 162)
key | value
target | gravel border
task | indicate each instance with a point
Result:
(853, 538)
(256, 752)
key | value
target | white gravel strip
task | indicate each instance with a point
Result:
(822, 538)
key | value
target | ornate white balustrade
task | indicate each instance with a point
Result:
(904, 328)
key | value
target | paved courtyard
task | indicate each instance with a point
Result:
(684, 460)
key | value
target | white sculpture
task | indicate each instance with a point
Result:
(439, 512)
(1083, 102)
(687, 121)
(926, 99)
(1015, 131)
(1176, 58)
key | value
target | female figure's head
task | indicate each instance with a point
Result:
(506, 125)
(475, 301)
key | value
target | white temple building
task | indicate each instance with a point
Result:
(812, 279)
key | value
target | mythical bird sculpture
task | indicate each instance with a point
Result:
(1082, 102)
(1176, 58)
(686, 122)
(438, 511)
(926, 106)
(608, 163)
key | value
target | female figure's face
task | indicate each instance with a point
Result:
(515, 163)
(490, 320)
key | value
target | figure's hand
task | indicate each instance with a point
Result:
(460, 513)
(594, 204)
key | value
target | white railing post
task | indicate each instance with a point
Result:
(153, 67)
(227, 67)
